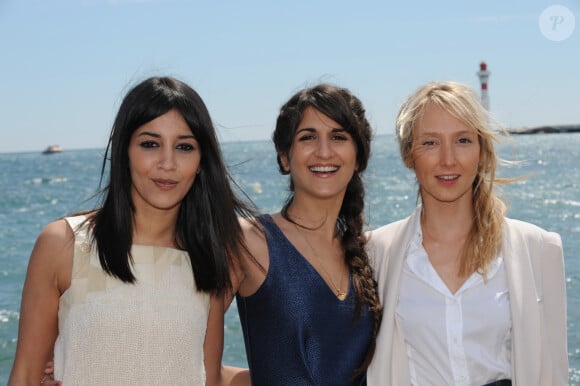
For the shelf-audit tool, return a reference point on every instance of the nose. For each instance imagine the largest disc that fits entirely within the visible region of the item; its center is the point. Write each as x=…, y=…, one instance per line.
x=448, y=156
x=167, y=159
x=324, y=149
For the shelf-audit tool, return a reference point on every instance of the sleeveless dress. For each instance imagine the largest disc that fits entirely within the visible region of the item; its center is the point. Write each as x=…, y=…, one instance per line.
x=115, y=333
x=296, y=330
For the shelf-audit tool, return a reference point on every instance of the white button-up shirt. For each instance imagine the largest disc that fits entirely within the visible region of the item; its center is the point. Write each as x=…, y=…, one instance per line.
x=460, y=339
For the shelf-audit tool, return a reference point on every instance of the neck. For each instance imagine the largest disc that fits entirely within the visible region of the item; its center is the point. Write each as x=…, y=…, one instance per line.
x=315, y=217
x=155, y=228
x=447, y=221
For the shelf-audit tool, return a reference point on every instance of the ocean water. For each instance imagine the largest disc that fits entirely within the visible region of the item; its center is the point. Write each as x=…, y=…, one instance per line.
x=36, y=189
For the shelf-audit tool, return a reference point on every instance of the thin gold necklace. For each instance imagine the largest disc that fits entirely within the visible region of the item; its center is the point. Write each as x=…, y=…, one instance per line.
x=340, y=294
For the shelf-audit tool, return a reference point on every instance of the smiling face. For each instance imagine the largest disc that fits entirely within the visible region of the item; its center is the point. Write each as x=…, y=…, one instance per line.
x=164, y=158
x=445, y=157
x=322, y=159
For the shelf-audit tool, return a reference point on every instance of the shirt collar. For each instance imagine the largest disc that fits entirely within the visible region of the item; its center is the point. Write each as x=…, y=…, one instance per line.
x=418, y=262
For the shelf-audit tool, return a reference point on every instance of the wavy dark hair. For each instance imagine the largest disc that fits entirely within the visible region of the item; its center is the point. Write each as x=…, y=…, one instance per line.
x=207, y=223
x=347, y=110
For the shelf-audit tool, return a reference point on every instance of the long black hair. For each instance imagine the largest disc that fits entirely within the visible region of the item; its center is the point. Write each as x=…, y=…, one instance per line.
x=343, y=107
x=207, y=223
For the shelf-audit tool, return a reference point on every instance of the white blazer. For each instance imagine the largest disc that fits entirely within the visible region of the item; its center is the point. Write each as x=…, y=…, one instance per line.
x=535, y=268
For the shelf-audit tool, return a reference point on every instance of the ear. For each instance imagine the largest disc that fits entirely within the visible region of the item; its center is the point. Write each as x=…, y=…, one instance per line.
x=284, y=162
x=482, y=162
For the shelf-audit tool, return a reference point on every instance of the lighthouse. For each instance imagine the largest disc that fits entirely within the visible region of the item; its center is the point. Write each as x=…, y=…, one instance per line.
x=483, y=75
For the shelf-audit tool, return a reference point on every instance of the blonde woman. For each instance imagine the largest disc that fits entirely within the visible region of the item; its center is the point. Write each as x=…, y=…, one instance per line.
x=470, y=297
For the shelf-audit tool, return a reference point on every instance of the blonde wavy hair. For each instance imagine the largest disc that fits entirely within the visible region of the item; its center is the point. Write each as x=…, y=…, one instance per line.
x=484, y=241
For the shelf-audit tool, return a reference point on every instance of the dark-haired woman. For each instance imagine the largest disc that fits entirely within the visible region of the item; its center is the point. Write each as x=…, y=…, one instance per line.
x=130, y=293
x=309, y=309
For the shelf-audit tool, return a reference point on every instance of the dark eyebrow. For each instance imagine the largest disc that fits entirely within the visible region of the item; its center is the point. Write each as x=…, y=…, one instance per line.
x=148, y=134
x=155, y=135
x=311, y=129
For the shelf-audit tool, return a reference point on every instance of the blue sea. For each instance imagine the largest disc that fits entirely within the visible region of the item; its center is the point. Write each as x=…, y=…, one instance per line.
x=36, y=189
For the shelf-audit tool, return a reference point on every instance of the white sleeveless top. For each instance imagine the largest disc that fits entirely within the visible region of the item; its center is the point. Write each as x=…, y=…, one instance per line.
x=115, y=333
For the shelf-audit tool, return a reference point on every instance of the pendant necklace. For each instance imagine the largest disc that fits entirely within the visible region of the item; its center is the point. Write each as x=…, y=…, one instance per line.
x=340, y=294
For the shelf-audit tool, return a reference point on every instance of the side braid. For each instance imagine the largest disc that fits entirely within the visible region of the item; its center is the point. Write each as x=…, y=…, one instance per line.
x=353, y=242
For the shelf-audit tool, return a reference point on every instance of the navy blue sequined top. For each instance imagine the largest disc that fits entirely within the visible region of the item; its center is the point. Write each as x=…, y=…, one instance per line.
x=296, y=331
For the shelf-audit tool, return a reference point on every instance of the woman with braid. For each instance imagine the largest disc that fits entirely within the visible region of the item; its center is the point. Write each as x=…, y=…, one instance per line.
x=307, y=299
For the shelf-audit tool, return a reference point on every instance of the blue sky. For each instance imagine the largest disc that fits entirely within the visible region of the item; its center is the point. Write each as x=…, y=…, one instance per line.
x=66, y=64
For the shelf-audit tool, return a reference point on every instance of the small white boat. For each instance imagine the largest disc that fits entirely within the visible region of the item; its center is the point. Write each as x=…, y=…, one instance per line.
x=52, y=149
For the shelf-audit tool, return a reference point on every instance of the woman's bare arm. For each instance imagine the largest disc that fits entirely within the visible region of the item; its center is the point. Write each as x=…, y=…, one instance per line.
x=48, y=275
x=216, y=373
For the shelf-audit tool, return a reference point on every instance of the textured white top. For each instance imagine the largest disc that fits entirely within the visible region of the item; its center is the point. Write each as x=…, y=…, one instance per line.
x=459, y=339
x=113, y=333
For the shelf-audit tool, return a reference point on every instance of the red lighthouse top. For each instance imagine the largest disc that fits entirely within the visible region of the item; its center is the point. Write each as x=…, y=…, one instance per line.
x=483, y=66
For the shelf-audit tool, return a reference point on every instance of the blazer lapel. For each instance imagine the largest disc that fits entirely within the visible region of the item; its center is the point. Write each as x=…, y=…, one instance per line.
x=526, y=344
x=389, y=365
x=397, y=252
